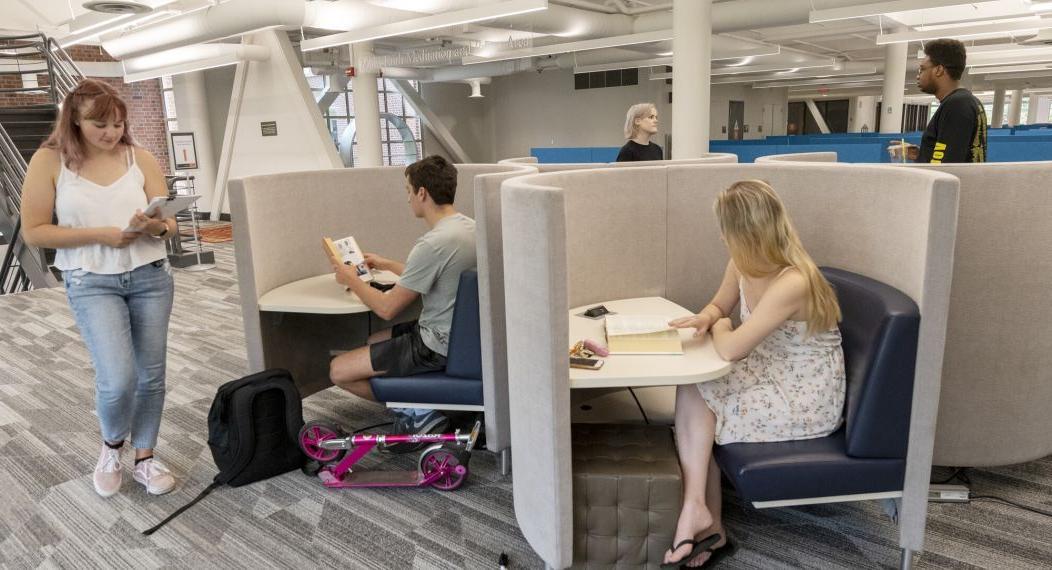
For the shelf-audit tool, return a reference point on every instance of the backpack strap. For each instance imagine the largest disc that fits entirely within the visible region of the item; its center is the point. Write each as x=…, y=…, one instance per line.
x=201, y=495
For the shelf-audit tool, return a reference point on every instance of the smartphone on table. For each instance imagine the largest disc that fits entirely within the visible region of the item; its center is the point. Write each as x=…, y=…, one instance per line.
x=586, y=363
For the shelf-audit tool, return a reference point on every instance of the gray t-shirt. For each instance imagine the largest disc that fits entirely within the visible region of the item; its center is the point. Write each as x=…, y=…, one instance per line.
x=433, y=270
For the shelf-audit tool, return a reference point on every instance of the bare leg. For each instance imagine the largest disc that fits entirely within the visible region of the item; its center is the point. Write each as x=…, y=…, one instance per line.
x=714, y=500
x=695, y=434
x=353, y=369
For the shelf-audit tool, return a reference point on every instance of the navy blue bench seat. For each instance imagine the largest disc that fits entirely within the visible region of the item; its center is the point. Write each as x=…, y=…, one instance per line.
x=867, y=455
x=460, y=384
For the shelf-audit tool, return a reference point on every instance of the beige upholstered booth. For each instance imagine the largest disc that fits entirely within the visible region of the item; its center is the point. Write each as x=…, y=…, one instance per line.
x=279, y=220
x=997, y=374
x=574, y=238
x=491, y=281
x=799, y=157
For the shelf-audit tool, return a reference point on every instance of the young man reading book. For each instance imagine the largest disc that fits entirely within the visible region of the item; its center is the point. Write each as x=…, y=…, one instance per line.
x=432, y=272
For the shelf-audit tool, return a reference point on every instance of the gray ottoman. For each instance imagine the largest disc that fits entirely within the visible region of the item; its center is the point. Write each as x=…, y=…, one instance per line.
x=627, y=494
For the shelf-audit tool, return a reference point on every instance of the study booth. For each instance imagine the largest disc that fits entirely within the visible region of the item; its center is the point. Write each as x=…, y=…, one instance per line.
x=489, y=239
x=295, y=314
x=996, y=384
x=574, y=239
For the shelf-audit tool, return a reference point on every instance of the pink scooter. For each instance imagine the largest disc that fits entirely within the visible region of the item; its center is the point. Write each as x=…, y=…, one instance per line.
x=440, y=466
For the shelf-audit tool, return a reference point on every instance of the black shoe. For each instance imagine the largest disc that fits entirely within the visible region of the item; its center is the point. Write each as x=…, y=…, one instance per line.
x=431, y=422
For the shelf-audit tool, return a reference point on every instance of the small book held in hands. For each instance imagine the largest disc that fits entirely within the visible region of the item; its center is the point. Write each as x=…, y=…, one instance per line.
x=347, y=251
x=641, y=334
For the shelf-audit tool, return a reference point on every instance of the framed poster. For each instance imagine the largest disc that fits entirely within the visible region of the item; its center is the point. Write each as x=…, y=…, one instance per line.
x=184, y=152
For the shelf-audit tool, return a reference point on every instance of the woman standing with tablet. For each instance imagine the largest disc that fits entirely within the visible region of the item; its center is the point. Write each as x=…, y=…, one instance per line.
x=90, y=174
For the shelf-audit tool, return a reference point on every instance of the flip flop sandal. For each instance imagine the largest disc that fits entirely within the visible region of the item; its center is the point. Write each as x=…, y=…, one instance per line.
x=718, y=554
x=697, y=547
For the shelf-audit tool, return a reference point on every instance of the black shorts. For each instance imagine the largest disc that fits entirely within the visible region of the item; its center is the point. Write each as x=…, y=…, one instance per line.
x=405, y=353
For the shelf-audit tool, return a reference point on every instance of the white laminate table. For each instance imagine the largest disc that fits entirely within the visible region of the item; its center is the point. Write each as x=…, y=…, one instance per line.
x=318, y=295
x=698, y=363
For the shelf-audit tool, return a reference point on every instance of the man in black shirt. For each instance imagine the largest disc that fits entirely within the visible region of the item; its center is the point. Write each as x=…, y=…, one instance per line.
x=640, y=124
x=957, y=130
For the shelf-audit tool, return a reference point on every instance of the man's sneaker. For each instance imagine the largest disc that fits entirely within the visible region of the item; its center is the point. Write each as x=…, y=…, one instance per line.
x=431, y=422
x=155, y=476
x=107, y=476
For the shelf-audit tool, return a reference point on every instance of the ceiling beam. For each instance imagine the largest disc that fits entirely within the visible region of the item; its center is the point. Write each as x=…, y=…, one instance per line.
x=990, y=30
x=881, y=8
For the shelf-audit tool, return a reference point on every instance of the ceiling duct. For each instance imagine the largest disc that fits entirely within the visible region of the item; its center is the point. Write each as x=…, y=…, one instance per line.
x=215, y=22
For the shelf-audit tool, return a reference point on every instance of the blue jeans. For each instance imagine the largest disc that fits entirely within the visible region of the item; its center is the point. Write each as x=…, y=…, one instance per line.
x=124, y=321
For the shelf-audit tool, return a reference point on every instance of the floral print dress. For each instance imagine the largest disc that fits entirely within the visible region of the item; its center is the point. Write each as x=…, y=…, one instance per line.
x=789, y=387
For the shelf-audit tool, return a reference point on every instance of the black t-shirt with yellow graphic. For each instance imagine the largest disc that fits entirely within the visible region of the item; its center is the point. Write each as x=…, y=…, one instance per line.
x=957, y=131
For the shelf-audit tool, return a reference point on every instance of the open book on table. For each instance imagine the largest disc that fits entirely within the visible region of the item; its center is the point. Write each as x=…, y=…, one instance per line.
x=641, y=334
x=347, y=251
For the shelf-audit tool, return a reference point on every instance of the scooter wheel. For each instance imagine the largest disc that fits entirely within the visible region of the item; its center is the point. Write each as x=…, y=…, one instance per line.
x=315, y=432
x=443, y=459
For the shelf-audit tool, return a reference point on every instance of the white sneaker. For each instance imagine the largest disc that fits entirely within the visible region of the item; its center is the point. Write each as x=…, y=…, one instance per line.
x=107, y=476
x=155, y=476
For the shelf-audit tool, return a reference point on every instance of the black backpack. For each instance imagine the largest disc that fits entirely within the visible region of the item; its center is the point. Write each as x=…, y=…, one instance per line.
x=253, y=432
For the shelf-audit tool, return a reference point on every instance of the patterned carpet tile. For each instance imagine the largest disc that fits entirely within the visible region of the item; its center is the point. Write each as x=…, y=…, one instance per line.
x=52, y=518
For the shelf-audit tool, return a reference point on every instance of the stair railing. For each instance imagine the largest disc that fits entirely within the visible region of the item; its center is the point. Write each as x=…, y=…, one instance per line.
x=23, y=267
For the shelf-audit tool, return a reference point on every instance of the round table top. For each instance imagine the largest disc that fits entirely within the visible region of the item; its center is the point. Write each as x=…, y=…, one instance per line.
x=320, y=294
x=698, y=363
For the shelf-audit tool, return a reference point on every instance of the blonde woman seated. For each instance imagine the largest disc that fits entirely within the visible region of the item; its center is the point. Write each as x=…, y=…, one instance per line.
x=788, y=378
x=641, y=124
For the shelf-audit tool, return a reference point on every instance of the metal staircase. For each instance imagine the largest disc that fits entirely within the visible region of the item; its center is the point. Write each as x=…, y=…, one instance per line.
x=25, y=122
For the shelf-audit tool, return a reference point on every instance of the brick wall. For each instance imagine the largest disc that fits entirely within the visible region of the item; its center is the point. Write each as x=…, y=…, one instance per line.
x=145, y=107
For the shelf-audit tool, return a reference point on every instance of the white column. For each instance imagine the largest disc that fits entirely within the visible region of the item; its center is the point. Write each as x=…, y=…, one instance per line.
x=691, y=65
x=1016, y=109
x=999, y=108
x=1043, y=104
x=191, y=109
x=865, y=114
x=366, y=109
x=894, y=86
x=1031, y=109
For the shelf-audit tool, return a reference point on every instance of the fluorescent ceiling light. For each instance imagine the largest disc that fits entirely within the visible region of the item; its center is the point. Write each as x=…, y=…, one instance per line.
x=1011, y=69
x=123, y=21
x=877, y=9
x=583, y=45
x=967, y=32
x=454, y=18
x=769, y=67
x=956, y=25
x=818, y=82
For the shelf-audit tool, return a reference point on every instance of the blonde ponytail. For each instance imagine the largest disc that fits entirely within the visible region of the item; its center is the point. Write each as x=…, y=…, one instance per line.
x=760, y=235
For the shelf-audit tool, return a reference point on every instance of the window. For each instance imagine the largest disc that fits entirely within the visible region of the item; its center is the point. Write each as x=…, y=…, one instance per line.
x=340, y=113
x=171, y=121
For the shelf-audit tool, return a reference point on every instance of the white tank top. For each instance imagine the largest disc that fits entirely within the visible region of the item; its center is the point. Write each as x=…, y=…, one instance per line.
x=80, y=203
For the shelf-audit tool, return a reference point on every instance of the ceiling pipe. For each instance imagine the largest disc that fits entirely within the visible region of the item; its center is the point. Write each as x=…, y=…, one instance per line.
x=215, y=22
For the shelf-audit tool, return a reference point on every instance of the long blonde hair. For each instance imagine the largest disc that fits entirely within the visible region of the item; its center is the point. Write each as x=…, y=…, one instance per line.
x=637, y=111
x=759, y=234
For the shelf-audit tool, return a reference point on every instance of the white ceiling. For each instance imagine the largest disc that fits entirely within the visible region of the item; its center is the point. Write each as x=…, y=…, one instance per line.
x=852, y=42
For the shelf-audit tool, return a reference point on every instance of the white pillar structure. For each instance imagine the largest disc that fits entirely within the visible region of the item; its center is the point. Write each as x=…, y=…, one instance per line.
x=366, y=108
x=1016, y=109
x=894, y=87
x=864, y=115
x=997, y=119
x=1043, y=107
x=191, y=109
x=691, y=66
x=1031, y=109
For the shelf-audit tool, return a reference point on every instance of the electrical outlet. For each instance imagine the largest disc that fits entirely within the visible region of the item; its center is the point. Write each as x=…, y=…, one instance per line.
x=948, y=494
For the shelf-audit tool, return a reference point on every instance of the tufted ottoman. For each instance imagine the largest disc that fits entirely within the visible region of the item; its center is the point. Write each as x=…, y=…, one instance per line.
x=626, y=495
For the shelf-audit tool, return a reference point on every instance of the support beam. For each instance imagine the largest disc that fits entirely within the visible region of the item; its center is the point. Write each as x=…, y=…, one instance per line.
x=817, y=116
x=691, y=67
x=226, y=153
x=1016, y=109
x=431, y=120
x=366, y=108
x=997, y=118
x=894, y=86
x=335, y=85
